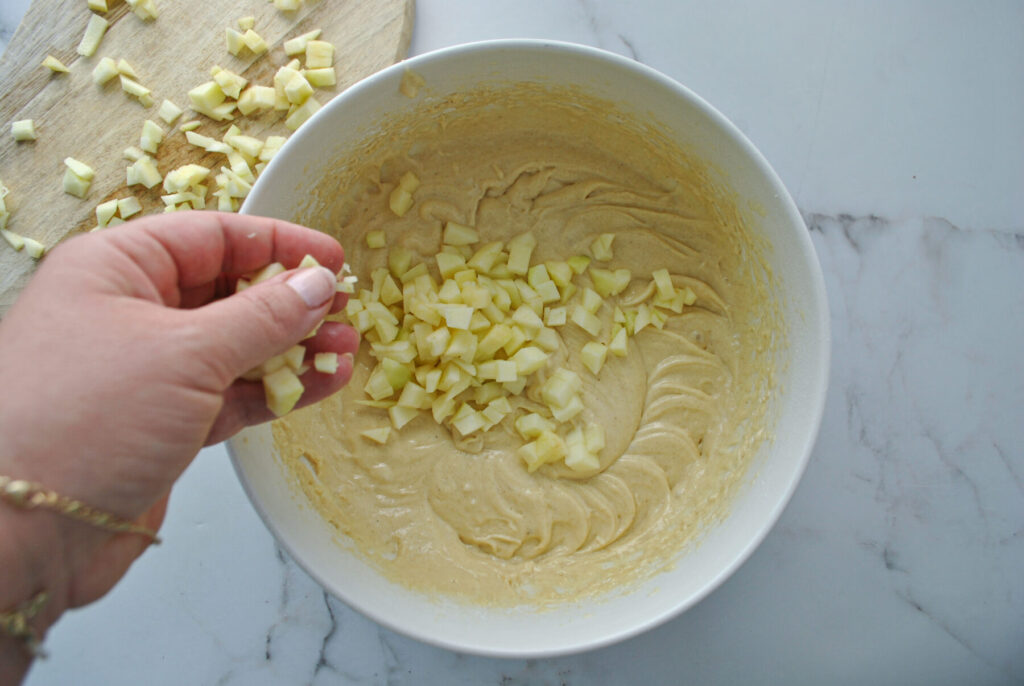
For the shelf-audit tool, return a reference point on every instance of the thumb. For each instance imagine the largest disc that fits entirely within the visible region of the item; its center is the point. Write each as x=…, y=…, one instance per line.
x=247, y=328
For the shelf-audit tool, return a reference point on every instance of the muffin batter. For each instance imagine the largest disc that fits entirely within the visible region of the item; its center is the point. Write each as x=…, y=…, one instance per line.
x=684, y=412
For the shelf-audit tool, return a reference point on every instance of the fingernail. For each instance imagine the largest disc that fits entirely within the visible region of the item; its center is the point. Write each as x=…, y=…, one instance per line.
x=314, y=285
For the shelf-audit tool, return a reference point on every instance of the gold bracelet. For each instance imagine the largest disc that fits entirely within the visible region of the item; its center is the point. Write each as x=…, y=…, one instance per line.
x=17, y=623
x=28, y=495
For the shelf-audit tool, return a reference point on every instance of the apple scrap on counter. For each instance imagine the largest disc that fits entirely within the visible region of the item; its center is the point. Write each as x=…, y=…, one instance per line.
x=280, y=374
x=311, y=67
x=468, y=346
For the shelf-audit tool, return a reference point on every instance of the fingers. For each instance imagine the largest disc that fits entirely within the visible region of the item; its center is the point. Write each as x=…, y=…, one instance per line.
x=245, y=402
x=240, y=332
x=183, y=253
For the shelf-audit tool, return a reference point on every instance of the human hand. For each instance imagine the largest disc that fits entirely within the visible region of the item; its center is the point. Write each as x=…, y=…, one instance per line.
x=121, y=358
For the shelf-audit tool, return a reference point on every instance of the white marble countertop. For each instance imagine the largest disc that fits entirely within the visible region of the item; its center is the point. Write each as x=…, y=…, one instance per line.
x=899, y=129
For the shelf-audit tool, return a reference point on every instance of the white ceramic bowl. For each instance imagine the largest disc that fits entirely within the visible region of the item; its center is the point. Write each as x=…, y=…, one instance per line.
x=803, y=369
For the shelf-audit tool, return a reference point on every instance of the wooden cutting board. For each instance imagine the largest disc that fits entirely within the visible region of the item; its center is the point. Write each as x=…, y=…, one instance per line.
x=75, y=117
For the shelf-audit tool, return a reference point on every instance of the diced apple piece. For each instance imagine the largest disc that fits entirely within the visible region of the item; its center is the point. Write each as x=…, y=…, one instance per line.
x=593, y=356
x=144, y=172
x=143, y=9
x=415, y=396
x=320, y=78
x=548, y=292
x=608, y=282
x=578, y=458
x=233, y=41
x=206, y=96
x=495, y=411
x=532, y=425
x=400, y=201
x=400, y=416
x=663, y=282
x=98, y=5
x=93, y=35
x=643, y=319
x=230, y=82
x=80, y=169
x=254, y=42
x=246, y=23
x=561, y=387
x=152, y=136
x=124, y=67
x=561, y=273
x=397, y=374
x=619, y=345
x=493, y=340
x=536, y=275
x=487, y=391
x=169, y=111
x=23, y=130
x=520, y=249
x=555, y=316
x=567, y=412
x=256, y=98
x=594, y=437
x=302, y=113
x=548, y=339
x=437, y=342
x=526, y=318
x=128, y=207
x=432, y=380
x=483, y=260
x=548, y=447
x=380, y=435
x=298, y=89
x=456, y=316
x=294, y=356
x=248, y=146
x=34, y=248
x=54, y=64
x=587, y=321
x=579, y=263
x=283, y=389
x=14, y=240
x=377, y=385
x=442, y=407
x=462, y=347
x=591, y=301
x=375, y=239
x=601, y=248
x=515, y=341
x=529, y=360
x=297, y=45
x=467, y=420
x=319, y=54
x=105, y=211
x=459, y=234
x=77, y=177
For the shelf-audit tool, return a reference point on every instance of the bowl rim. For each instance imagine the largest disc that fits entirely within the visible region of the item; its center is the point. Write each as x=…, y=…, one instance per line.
x=817, y=303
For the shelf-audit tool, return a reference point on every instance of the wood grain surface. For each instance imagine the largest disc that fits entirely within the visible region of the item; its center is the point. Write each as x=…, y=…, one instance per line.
x=75, y=117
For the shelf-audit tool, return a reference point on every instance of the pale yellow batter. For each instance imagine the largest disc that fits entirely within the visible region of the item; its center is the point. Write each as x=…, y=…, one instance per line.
x=684, y=412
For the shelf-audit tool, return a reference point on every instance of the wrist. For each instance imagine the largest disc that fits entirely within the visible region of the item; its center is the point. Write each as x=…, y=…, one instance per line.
x=32, y=560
